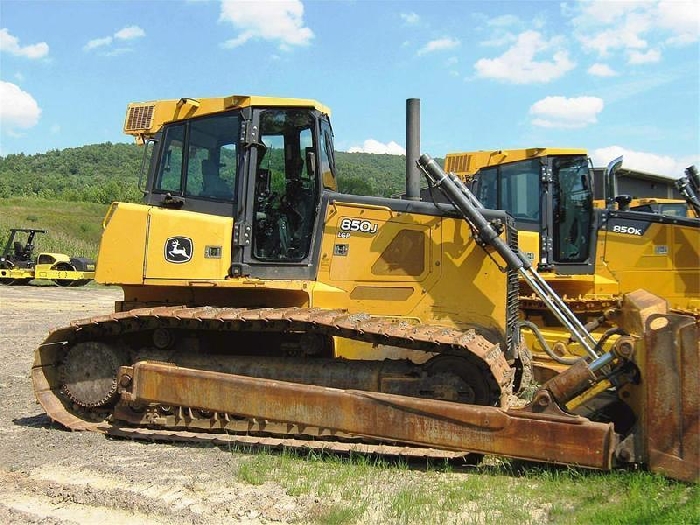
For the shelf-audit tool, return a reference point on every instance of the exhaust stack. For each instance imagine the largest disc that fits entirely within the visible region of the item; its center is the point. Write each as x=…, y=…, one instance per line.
x=412, y=149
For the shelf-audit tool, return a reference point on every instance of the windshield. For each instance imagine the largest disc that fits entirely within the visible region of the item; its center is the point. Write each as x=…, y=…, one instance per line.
x=199, y=158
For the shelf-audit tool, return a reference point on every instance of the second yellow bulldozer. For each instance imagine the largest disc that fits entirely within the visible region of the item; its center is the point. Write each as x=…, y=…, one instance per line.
x=590, y=252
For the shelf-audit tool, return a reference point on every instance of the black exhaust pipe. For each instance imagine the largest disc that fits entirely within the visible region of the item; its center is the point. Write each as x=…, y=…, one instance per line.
x=413, y=174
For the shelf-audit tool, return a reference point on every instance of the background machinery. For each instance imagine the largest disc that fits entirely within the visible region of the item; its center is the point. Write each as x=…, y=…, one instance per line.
x=638, y=191
x=18, y=265
x=689, y=187
x=590, y=254
x=268, y=305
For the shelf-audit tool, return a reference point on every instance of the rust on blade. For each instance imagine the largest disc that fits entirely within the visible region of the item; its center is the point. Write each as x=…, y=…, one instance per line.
x=490, y=430
x=672, y=376
x=286, y=443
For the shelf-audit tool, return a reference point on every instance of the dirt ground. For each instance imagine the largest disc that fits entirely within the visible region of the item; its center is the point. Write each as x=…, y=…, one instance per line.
x=49, y=475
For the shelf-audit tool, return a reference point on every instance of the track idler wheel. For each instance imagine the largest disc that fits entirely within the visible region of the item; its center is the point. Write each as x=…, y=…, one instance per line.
x=89, y=373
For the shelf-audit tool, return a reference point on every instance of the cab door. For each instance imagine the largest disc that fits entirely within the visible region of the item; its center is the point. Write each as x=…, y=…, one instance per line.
x=277, y=233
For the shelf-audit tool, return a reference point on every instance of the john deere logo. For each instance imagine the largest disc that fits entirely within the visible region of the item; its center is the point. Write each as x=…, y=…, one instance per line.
x=178, y=250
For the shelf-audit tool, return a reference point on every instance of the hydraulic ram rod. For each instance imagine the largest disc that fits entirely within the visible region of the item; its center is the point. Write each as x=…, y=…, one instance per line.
x=470, y=208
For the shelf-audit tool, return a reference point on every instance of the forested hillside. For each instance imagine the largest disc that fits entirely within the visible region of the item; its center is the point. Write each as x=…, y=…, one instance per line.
x=107, y=172
x=100, y=173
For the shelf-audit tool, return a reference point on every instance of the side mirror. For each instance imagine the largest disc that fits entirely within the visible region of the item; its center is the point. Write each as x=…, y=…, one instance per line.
x=623, y=202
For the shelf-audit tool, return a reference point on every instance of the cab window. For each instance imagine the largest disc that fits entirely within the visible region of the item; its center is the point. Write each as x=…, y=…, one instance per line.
x=169, y=177
x=211, y=161
x=199, y=158
x=487, y=192
x=514, y=188
x=327, y=157
x=520, y=190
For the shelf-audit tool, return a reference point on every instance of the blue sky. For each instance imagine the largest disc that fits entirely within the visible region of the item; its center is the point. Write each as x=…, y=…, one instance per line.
x=612, y=77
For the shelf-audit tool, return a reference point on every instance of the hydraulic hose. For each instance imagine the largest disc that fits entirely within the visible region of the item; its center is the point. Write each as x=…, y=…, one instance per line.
x=536, y=331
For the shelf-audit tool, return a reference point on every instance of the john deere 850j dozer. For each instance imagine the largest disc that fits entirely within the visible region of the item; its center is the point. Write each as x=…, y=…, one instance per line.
x=261, y=304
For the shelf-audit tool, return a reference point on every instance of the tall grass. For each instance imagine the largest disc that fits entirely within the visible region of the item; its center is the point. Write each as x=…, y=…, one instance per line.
x=73, y=228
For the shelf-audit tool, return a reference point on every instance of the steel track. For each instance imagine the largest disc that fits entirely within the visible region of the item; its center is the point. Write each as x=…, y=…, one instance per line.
x=334, y=323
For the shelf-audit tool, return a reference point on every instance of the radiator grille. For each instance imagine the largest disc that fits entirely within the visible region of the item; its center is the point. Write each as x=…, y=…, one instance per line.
x=457, y=163
x=139, y=117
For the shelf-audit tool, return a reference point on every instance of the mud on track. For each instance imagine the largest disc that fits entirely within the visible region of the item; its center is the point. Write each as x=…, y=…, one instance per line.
x=49, y=475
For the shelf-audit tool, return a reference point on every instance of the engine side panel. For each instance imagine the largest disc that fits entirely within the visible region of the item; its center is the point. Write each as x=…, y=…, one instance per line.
x=650, y=252
x=428, y=267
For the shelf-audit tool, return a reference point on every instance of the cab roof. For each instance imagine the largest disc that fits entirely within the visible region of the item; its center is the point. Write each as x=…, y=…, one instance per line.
x=144, y=119
x=468, y=163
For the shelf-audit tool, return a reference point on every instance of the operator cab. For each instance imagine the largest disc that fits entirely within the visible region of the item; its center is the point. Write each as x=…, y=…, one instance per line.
x=263, y=166
x=551, y=195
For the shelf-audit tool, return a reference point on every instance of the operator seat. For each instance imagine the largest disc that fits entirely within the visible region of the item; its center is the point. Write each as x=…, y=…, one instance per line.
x=213, y=185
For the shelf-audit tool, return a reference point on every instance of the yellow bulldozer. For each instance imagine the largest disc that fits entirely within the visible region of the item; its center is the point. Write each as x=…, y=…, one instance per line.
x=591, y=252
x=261, y=305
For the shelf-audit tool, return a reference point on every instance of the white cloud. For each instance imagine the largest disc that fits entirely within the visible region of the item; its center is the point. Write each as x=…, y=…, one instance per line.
x=641, y=161
x=11, y=45
x=441, y=44
x=410, y=18
x=518, y=65
x=18, y=109
x=650, y=57
x=98, y=42
x=374, y=146
x=129, y=33
x=633, y=27
x=281, y=20
x=597, y=12
x=562, y=112
x=682, y=19
x=606, y=41
x=601, y=70
x=125, y=33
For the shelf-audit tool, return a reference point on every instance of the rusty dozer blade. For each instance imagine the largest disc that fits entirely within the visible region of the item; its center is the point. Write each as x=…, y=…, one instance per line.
x=668, y=396
x=662, y=350
x=548, y=436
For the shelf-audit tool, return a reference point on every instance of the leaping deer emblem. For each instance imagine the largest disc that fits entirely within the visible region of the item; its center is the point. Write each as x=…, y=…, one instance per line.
x=175, y=250
x=178, y=249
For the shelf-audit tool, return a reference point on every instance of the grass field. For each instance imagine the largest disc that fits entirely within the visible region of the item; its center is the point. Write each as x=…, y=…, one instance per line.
x=73, y=228
x=359, y=489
